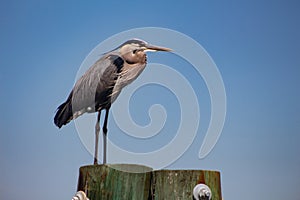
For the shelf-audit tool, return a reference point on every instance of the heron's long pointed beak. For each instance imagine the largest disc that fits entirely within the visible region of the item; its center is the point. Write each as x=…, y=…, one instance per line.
x=150, y=47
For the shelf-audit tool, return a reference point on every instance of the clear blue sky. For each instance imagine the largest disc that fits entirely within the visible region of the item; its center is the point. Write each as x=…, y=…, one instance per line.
x=255, y=44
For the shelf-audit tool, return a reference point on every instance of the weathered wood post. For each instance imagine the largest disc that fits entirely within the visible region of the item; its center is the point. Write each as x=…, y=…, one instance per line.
x=136, y=182
x=116, y=181
x=179, y=184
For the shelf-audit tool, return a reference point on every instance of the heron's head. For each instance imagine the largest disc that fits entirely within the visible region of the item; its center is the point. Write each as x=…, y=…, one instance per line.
x=134, y=51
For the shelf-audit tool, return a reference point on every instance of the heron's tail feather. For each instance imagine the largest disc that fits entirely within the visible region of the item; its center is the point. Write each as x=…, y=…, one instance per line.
x=64, y=113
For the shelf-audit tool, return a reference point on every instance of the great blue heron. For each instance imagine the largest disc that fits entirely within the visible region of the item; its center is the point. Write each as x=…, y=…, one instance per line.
x=101, y=84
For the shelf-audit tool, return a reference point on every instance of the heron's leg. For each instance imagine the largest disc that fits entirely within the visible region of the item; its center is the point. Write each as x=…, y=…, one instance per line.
x=97, y=130
x=105, y=136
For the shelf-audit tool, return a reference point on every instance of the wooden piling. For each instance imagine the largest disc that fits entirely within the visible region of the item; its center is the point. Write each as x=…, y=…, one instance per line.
x=179, y=184
x=136, y=182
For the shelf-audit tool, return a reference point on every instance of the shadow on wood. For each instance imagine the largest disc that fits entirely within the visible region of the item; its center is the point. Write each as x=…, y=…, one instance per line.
x=136, y=182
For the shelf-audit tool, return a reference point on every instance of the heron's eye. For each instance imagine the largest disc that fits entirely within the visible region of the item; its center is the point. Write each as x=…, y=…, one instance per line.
x=134, y=51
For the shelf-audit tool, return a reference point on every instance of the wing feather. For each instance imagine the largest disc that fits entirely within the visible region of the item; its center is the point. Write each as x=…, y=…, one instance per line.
x=93, y=89
x=92, y=92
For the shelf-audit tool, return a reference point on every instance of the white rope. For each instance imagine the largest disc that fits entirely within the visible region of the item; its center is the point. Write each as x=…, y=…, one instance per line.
x=202, y=191
x=80, y=195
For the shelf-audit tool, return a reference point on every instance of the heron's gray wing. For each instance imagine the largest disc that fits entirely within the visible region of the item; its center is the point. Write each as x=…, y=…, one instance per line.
x=93, y=90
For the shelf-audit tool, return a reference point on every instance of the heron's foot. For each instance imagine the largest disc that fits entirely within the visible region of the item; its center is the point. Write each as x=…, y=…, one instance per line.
x=95, y=161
